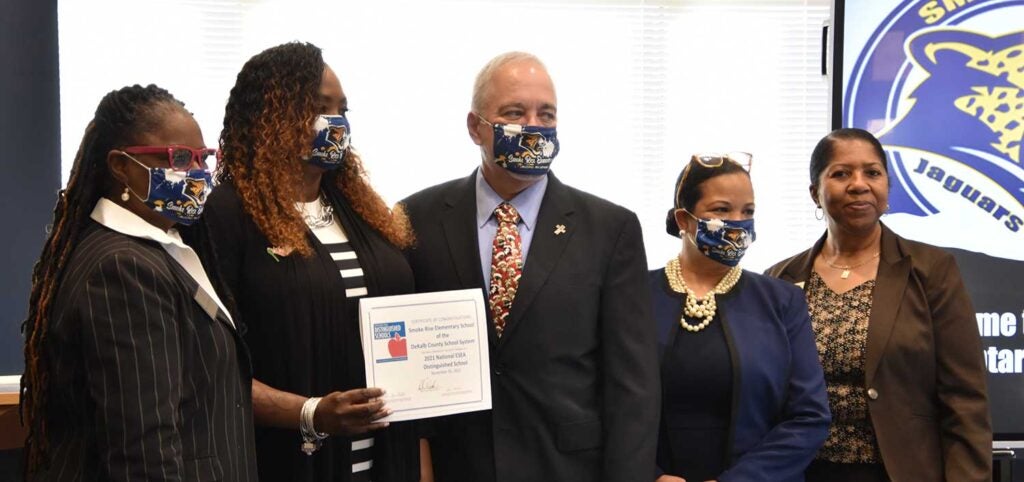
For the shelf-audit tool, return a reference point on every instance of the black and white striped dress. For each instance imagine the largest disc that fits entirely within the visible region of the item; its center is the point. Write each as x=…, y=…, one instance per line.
x=334, y=239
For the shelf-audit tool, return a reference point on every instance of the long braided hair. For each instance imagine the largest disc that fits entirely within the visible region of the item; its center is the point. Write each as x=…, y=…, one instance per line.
x=122, y=115
x=267, y=130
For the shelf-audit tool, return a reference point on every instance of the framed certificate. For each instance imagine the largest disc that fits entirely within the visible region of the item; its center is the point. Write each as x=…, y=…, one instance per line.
x=428, y=351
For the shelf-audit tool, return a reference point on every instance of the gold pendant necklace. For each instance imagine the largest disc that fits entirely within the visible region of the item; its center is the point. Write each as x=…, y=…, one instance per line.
x=846, y=268
x=696, y=307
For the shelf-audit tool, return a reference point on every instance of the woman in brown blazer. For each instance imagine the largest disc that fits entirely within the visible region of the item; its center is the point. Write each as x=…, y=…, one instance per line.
x=896, y=334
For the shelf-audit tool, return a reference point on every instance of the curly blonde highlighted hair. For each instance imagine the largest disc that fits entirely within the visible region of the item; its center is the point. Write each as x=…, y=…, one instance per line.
x=267, y=130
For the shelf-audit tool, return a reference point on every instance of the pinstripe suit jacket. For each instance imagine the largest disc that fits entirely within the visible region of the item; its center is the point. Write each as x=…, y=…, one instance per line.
x=143, y=383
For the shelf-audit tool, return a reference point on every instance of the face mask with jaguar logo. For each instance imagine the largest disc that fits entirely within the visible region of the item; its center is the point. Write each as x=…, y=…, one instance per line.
x=723, y=240
x=521, y=149
x=331, y=144
x=177, y=195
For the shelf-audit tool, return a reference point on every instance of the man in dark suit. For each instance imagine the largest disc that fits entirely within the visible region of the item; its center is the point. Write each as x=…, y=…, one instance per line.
x=573, y=356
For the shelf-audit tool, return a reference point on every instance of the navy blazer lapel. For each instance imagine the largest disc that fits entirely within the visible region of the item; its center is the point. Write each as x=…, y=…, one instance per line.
x=551, y=234
x=890, y=283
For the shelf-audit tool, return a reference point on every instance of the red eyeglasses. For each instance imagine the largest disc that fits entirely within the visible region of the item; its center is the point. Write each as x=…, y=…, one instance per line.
x=179, y=158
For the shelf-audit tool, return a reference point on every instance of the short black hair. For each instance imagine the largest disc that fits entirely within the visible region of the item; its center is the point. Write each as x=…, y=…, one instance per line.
x=822, y=155
x=688, y=188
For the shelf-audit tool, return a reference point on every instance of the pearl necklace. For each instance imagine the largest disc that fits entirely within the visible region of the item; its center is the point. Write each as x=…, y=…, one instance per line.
x=696, y=307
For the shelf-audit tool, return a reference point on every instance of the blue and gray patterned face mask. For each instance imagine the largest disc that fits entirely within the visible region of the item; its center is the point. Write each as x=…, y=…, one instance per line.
x=178, y=196
x=523, y=149
x=333, y=136
x=722, y=240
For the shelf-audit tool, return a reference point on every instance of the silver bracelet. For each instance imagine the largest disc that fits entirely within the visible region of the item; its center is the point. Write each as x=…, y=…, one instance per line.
x=311, y=439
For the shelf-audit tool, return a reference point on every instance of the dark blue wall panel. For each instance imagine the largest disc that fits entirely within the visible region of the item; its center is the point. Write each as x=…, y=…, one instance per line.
x=29, y=156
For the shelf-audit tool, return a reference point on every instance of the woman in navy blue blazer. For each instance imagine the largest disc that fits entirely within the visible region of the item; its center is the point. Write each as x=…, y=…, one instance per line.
x=743, y=395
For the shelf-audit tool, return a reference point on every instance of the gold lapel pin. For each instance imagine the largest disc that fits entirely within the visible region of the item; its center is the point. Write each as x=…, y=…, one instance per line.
x=559, y=229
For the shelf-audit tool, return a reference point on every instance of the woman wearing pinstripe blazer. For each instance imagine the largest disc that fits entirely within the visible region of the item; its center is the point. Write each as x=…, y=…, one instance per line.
x=134, y=371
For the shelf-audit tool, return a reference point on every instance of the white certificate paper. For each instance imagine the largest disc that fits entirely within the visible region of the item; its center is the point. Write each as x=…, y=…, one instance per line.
x=428, y=351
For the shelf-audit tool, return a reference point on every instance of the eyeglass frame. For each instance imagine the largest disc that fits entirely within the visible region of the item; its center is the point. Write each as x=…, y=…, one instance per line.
x=721, y=158
x=197, y=158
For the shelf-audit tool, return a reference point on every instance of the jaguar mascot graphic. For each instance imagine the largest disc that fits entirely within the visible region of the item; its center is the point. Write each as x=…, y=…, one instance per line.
x=946, y=99
x=737, y=238
x=535, y=145
x=332, y=138
x=975, y=83
x=338, y=139
x=196, y=190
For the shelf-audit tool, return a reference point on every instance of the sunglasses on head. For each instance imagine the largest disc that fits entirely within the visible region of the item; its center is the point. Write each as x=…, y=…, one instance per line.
x=713, y=160
x=179, y=158
x=744, y=159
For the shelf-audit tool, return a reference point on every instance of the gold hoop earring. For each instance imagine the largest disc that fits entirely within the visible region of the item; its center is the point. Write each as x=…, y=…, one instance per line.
x=819, y=213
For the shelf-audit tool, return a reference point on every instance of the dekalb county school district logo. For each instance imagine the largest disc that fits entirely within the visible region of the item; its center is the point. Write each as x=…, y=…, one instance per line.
x=389, y=344
x=941, y=83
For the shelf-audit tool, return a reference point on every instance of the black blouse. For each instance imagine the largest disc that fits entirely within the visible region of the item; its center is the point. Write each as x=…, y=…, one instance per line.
x=302, y=331
x=697, y=384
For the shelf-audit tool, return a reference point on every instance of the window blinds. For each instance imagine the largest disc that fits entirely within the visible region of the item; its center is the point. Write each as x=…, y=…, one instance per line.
x=641, y=86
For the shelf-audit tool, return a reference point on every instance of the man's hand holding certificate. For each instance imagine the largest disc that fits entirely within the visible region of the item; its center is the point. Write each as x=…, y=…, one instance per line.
x=428, y=351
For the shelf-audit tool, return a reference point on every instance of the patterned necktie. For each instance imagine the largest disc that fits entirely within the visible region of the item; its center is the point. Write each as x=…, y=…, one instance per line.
x=506, y=265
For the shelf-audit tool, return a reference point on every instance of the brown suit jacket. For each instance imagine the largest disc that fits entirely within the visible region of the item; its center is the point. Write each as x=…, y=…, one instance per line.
x=924, y=371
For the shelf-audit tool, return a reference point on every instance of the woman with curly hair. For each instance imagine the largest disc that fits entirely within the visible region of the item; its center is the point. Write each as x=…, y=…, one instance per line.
x=299, y=236
x=132, y=369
